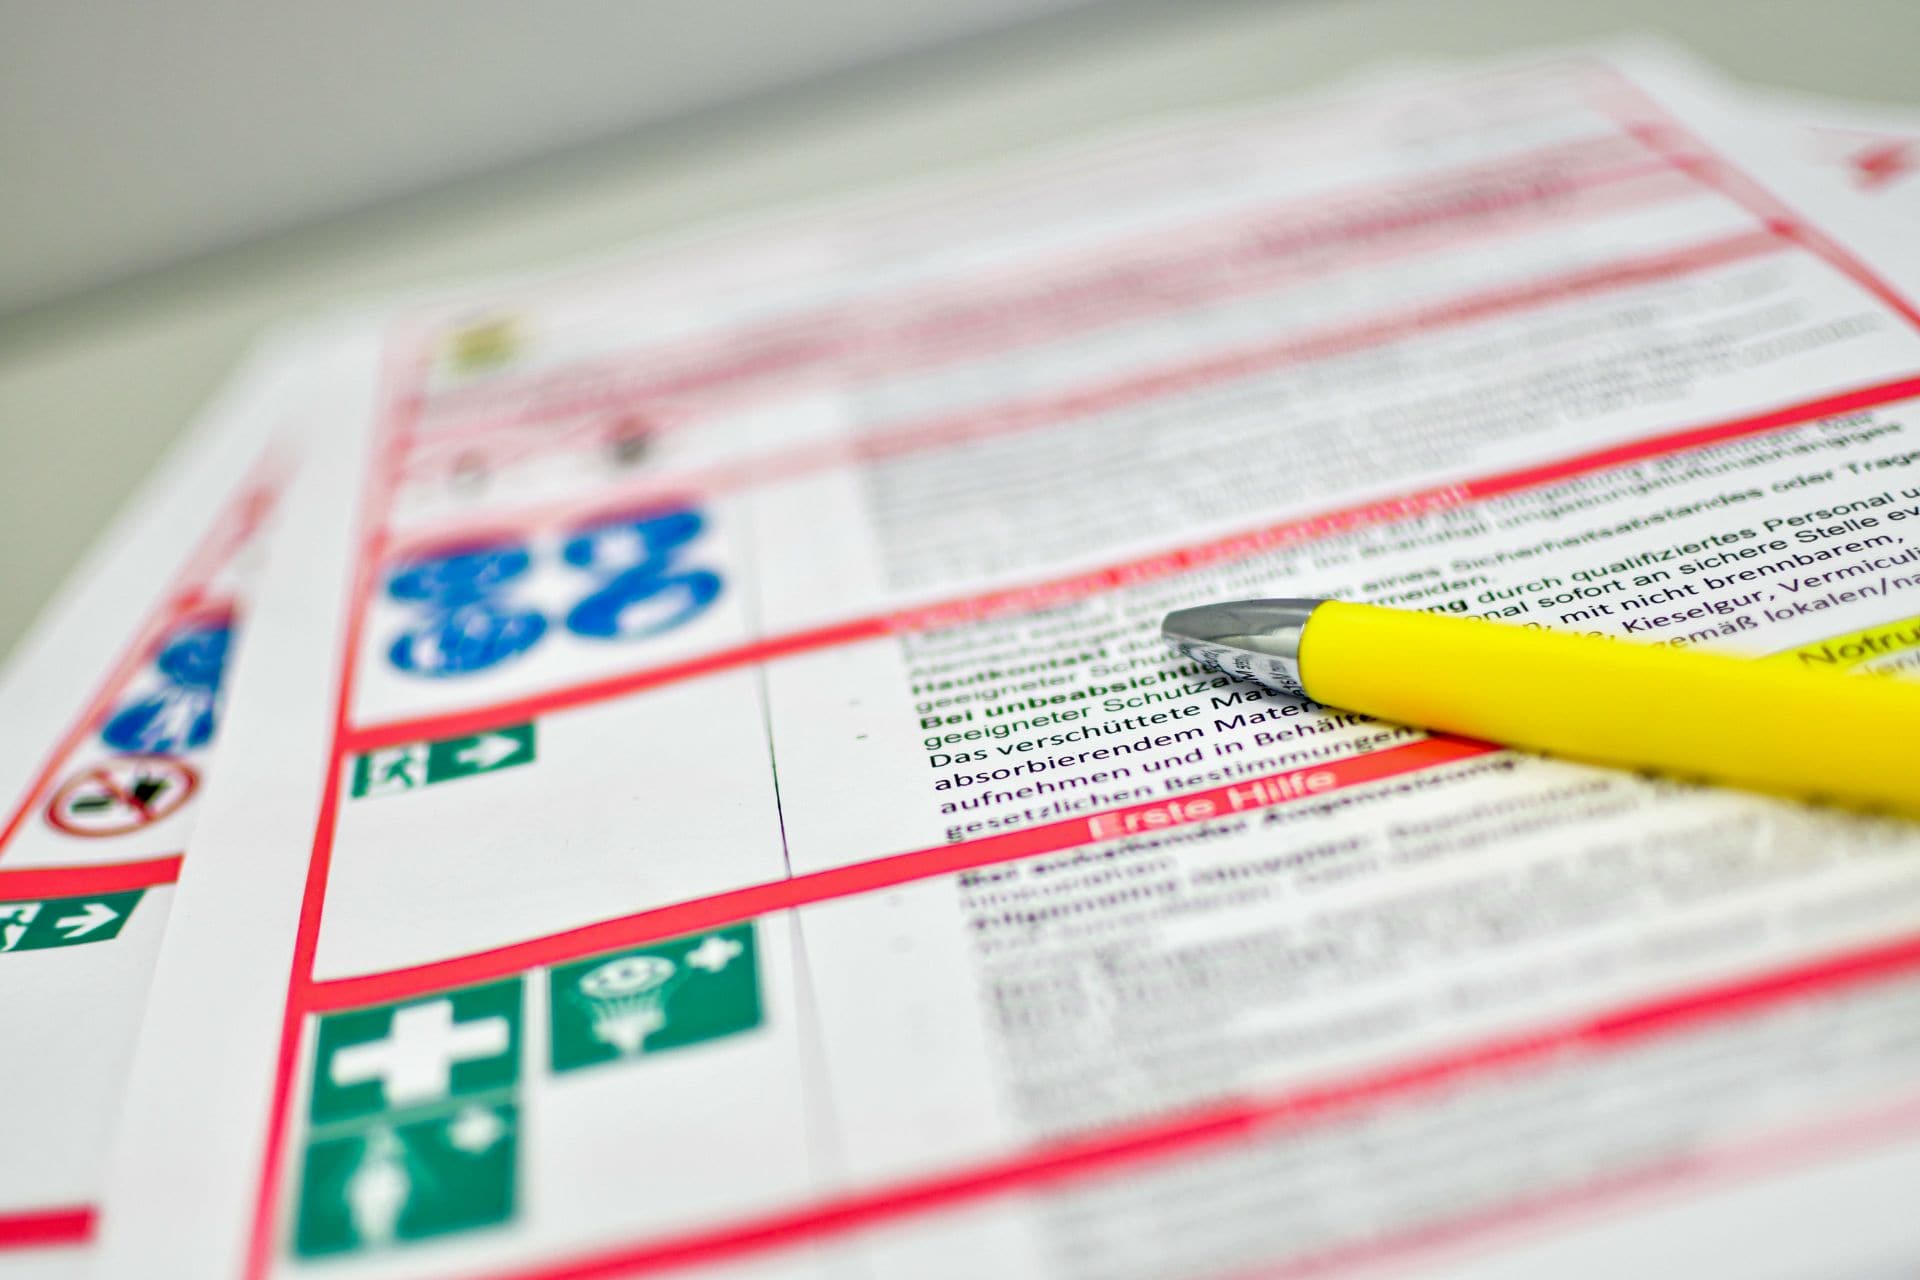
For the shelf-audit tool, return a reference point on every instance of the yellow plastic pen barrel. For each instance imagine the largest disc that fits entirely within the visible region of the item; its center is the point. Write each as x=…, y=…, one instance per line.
x=1763, y=725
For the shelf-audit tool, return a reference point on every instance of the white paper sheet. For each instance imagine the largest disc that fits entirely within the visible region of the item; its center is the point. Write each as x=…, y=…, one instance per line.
x=707, y=789
x=1868, y=148
x=111, y=708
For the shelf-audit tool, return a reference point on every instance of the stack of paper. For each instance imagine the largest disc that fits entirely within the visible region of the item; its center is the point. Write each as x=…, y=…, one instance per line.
x=700, y=788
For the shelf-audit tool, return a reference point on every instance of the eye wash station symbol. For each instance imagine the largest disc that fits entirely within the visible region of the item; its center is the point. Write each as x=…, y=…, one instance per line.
x=629, y=999
x=629, y=995
x=681, y=992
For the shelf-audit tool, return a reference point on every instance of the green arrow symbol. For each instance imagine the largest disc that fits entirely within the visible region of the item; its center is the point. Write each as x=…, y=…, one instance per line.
x=488, y=750
x=91, y=917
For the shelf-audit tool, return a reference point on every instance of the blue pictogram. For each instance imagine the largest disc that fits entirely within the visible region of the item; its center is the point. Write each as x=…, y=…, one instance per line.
x=636, y=586
x=467, y=624
x=643, y=592
x=180, y=714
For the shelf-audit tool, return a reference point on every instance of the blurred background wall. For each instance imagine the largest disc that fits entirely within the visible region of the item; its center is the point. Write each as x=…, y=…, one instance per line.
x=140, y=134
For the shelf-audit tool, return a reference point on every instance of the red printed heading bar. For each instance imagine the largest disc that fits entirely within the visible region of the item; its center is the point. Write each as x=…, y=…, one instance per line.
x=1261, y=793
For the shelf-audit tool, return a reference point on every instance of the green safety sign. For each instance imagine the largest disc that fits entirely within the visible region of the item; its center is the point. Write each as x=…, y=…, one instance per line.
x=393, y=1183
x=418, y=1053
x=667, y=995
x=45, y=923
x=414, y=1121
x=422, y=764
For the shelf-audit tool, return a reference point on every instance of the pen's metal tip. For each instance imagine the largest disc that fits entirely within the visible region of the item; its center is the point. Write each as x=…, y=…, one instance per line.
x=1216, y=623
x=1250, y=639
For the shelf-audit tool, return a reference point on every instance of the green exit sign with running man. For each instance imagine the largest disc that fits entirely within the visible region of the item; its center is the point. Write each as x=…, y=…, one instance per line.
x=413, y=765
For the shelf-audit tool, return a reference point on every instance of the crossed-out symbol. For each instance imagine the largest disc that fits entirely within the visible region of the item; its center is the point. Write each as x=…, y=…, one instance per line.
x=121, y=795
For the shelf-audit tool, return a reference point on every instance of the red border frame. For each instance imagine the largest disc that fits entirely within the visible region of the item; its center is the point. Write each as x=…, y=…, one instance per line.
x=1201, y=1129
x=182, y=600
x=1026, y=416
x=1249, y=795
x=1642, y=119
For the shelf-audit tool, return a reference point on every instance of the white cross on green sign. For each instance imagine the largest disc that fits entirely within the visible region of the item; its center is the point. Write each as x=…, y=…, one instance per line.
x=414, y=1121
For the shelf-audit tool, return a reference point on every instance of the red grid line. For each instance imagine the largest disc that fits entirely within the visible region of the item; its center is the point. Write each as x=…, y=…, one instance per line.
x=217, y=545
x=373, y=503
x=967, y=428
x=1643, y=119
x=1165, y=564
x=1051, y=1164
x=46, y=1228
x=876, y=874
x=793, y=343
x=1742, y=1161
x=64, y=882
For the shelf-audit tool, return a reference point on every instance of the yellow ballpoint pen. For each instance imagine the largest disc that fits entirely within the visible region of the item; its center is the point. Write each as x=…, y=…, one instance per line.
x=1761, y=725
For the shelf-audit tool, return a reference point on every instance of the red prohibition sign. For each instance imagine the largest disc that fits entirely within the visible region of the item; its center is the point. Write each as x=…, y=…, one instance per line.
x=120, y=795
